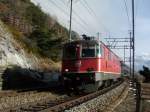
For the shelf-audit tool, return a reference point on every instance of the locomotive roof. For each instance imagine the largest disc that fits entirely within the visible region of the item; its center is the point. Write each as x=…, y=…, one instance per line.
x=90, y=42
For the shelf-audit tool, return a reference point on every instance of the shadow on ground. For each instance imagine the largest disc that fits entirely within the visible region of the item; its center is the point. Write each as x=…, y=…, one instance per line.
x=17, y=78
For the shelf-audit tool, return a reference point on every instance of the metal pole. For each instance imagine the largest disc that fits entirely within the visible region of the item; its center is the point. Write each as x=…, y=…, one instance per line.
x=133, y=36
x=130, y=53
x=70, y=21
x=135, y=81
x=124, y=54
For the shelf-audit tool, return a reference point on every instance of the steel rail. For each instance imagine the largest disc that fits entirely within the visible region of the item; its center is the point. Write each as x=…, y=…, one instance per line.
x=80, y=100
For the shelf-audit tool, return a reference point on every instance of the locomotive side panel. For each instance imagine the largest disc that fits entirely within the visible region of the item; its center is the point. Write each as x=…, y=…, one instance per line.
x=103, y=60
x=110, y=65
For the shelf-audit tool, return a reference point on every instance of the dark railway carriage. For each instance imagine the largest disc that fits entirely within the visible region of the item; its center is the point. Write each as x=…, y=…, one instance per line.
x=89, y=62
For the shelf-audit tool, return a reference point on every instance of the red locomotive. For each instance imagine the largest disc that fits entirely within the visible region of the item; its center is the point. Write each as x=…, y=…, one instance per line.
x=89, y=62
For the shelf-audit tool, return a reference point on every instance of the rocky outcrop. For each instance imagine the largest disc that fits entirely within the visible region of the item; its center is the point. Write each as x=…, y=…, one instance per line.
x=10, y=54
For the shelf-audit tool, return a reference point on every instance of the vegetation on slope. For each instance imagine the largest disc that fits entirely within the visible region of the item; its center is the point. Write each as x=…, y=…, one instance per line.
x=40, y=33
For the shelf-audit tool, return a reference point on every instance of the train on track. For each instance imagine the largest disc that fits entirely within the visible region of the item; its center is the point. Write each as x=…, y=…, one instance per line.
x=89, y=64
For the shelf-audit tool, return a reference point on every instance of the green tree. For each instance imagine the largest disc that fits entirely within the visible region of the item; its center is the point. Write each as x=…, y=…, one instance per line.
x=146, y=73
x=35, y=15
x=47, y=45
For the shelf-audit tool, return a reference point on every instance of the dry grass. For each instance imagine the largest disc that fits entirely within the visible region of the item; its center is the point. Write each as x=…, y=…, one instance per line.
x=49, y=65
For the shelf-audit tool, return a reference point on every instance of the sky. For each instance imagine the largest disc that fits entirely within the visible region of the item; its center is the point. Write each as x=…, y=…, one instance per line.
x=108, y=17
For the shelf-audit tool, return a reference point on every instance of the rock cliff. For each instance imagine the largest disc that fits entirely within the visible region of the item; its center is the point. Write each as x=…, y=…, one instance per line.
x=10, y=53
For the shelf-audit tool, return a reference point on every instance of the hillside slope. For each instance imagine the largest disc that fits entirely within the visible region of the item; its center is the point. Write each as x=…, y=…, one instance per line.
x=34, y=38
x=43, y=35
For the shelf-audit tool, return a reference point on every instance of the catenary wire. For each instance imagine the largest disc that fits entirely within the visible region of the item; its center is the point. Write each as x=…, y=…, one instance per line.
x=127, y=12
x=61, y=9
x=93, y=14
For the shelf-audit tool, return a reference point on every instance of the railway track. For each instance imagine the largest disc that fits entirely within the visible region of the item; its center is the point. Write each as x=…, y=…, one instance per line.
x=145, y=97
x=145, y=91
x=61, y=103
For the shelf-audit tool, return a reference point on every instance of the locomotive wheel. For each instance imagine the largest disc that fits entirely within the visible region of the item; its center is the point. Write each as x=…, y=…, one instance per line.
x=71, y=87
x=102, y=86
x=88, y=88
x=111, y=82
x=107, y=83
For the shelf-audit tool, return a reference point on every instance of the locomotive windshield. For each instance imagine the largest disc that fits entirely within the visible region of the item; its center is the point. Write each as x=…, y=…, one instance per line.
x=90, y=50
x=70, y=52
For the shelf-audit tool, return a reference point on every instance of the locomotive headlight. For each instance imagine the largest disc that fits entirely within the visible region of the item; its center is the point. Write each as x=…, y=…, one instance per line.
x=66, y=70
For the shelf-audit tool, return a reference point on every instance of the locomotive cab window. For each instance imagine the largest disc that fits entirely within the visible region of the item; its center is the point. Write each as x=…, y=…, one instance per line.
x=90, y=50
x=70, y=52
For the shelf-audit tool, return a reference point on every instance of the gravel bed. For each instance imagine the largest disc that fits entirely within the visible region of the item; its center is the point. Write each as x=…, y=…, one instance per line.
x=128, y=104
x=100, y=103
x=145, y=106
x=23, y=99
